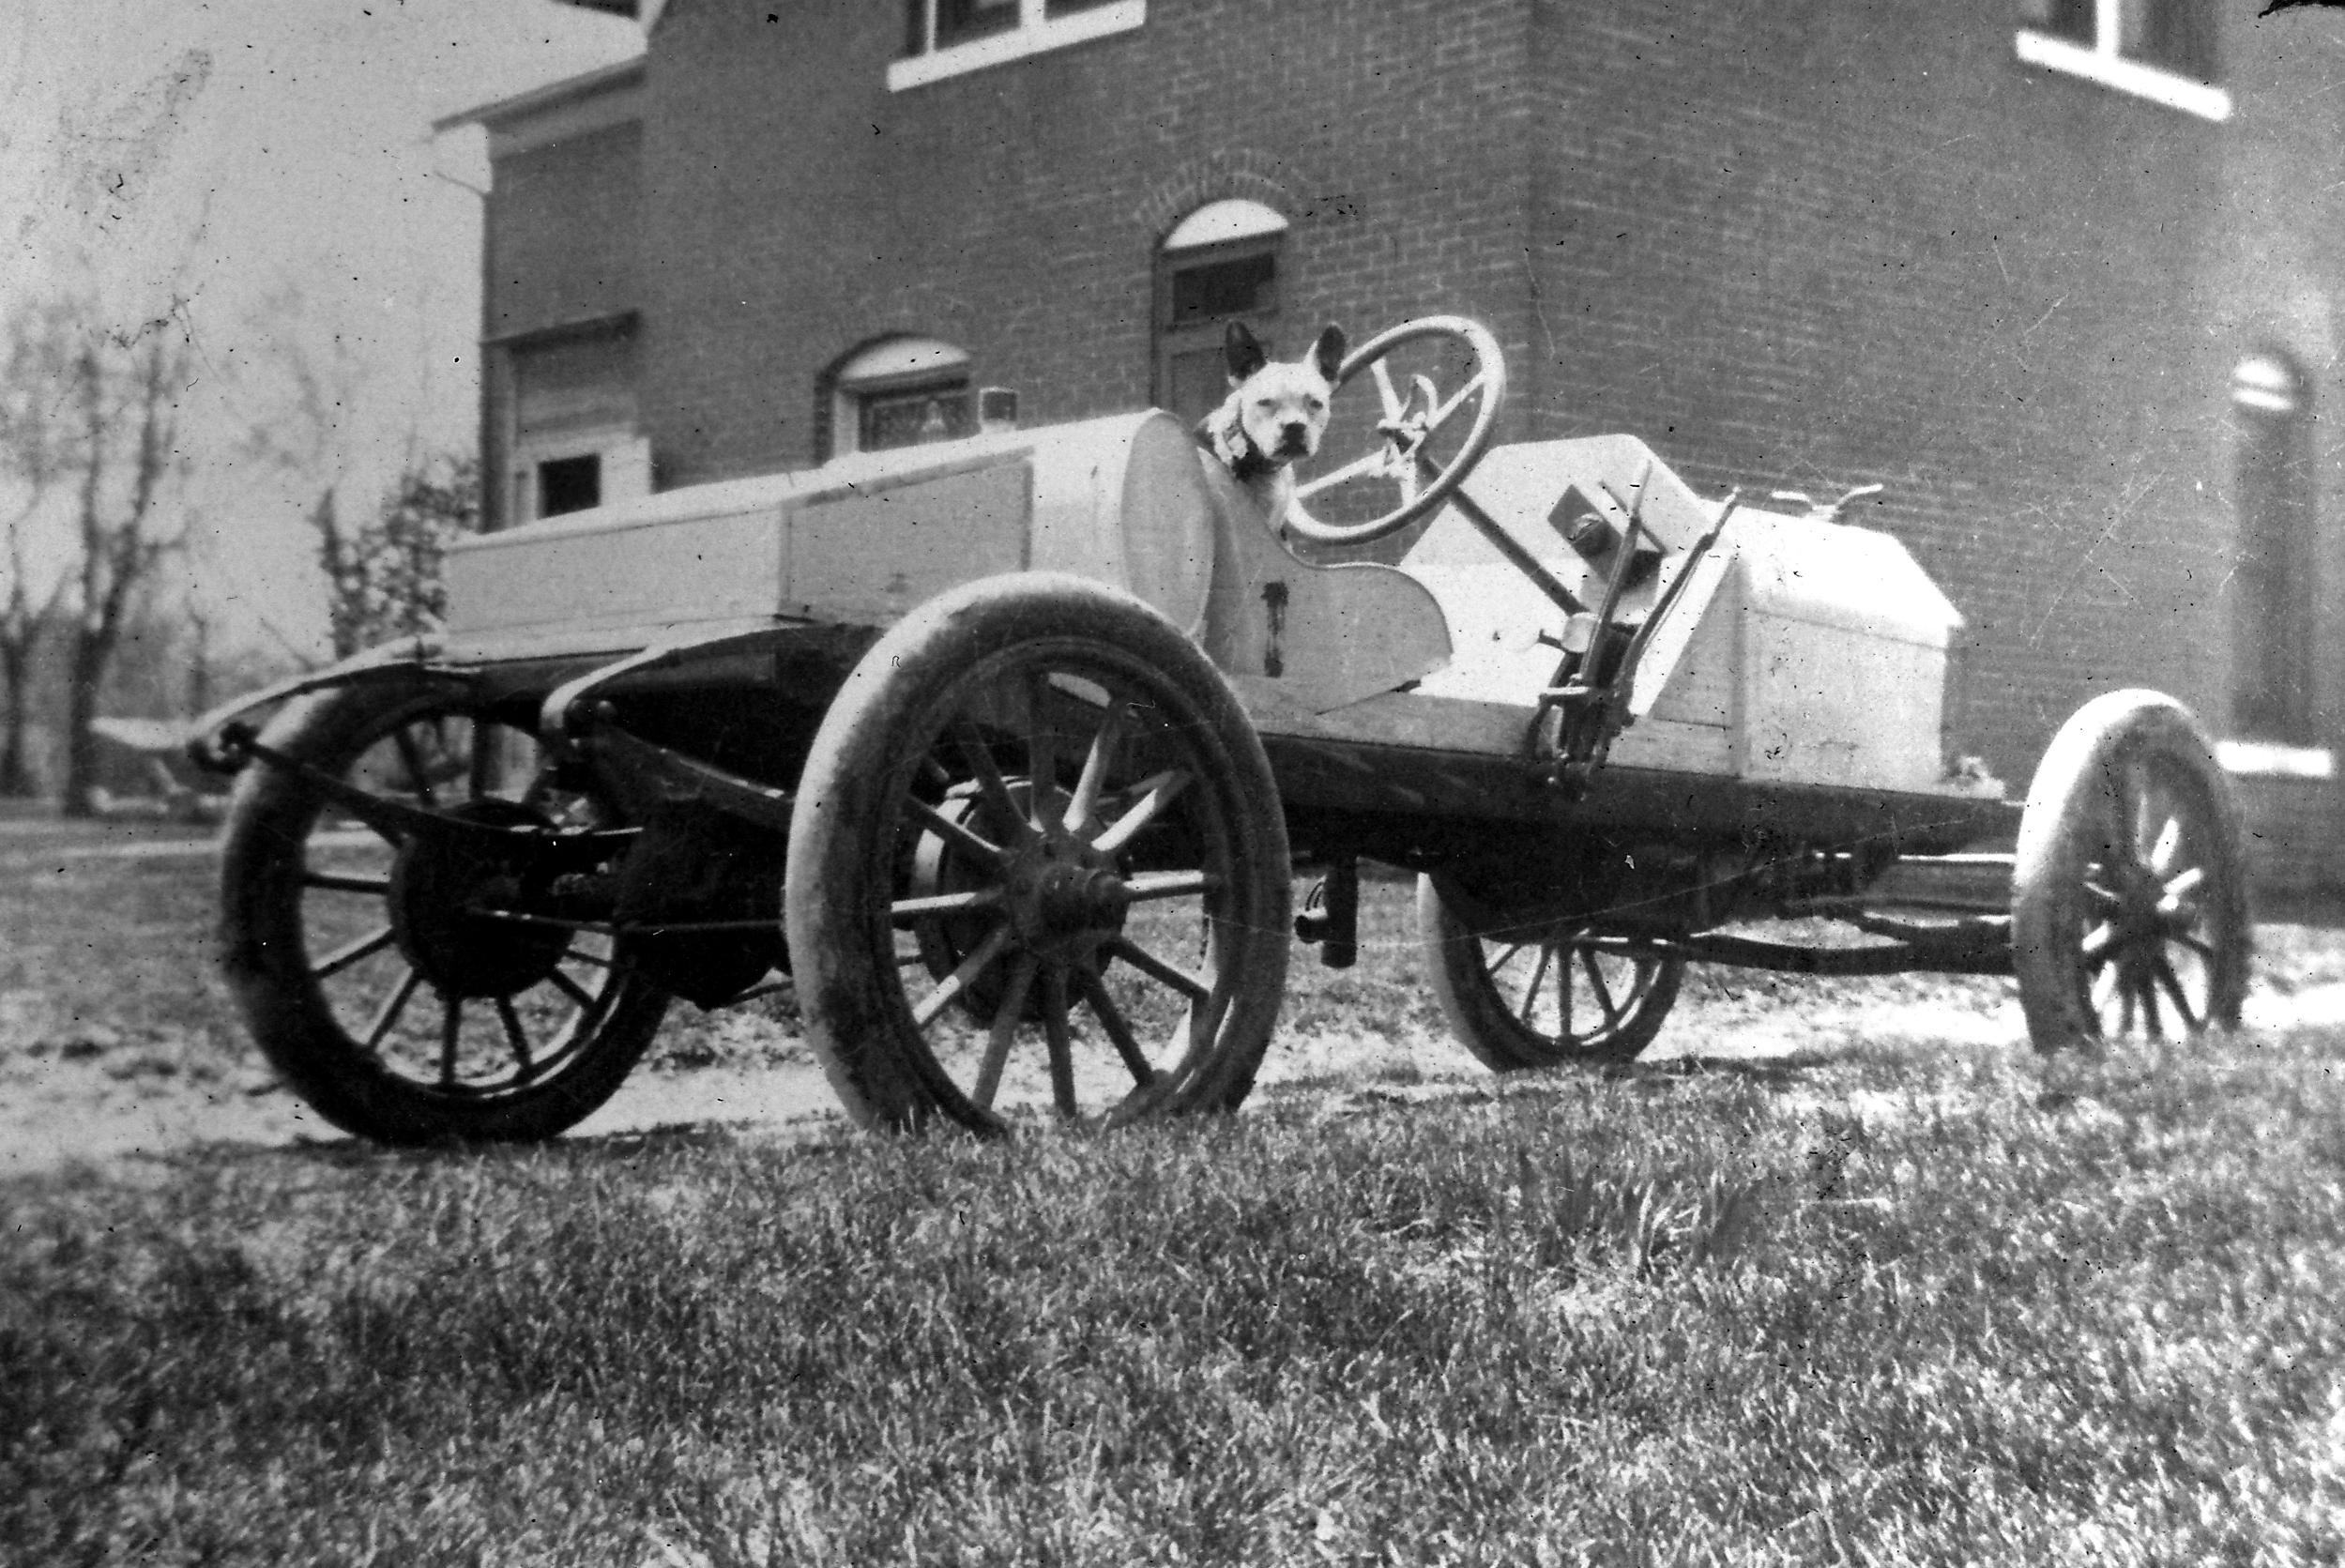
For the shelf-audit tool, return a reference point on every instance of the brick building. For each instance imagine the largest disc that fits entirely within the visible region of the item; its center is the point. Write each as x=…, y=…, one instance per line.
x=2061, y=274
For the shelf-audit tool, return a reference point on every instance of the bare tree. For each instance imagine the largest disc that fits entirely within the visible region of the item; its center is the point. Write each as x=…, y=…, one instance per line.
x=383, y=577
x=96, y=417
x=203, y=653
x=33, y=456
x=382, y=571
x=24, y=618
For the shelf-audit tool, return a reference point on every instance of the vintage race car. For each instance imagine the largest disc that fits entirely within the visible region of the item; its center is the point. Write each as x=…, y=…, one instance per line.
x=1002, y=755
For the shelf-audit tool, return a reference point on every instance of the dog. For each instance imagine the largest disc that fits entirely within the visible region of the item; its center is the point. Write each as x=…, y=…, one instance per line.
x=1274, y=417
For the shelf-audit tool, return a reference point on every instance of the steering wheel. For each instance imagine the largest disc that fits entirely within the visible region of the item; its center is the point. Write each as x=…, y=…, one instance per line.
x=1408, y=425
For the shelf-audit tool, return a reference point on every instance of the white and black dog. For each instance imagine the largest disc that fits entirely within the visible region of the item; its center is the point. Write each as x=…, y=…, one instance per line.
x=1274, y=415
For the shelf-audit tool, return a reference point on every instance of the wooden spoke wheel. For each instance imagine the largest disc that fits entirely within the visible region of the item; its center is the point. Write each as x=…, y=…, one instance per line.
x=1544, y=995
x=2130, y=908
x=1036, y=869
x=1440, y=382
x=395, y=976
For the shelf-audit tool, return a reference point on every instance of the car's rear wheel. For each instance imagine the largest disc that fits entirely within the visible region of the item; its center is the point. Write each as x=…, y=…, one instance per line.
x=384, y=970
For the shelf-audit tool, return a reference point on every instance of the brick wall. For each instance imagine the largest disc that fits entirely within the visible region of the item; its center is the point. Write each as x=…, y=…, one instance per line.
x=564, y=242
x=803, y=209
x=1817, y=244
x=565, y=233
x=1810, y=244
x=2280, y=268
x=2291, y=845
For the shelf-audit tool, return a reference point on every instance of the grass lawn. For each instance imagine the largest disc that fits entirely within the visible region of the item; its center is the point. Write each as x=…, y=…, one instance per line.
x=1901, y=1302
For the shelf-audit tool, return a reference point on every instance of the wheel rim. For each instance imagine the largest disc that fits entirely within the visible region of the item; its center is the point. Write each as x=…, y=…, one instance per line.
x=2151, y=936
x=1067, y=884
x=1438, y=384
x=1576, y=996
x=413, y=949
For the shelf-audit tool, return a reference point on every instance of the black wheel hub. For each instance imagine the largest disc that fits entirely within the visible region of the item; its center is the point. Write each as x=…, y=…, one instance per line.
x=443, y=892
x=1063, y=899
x=2142, y=910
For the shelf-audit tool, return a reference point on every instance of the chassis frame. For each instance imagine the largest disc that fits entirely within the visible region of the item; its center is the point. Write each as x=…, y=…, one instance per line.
x=702, y=806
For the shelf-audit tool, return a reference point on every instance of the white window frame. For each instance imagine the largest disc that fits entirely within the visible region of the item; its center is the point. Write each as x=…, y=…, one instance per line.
x=625, y=473
x=2274, y=759
x=905, y=364
x=2103, y=62
x=1035, y=32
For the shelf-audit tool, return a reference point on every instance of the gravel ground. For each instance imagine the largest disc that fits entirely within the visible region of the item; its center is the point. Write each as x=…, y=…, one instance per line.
x=75, y=1088
x=91, y=1099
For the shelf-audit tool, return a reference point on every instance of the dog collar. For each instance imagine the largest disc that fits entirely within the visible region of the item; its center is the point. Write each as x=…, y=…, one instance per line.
x=1247, y=459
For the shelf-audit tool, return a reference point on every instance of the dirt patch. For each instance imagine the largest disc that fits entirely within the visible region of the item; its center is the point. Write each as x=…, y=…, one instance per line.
x=116, y=1040
x=99, y=1095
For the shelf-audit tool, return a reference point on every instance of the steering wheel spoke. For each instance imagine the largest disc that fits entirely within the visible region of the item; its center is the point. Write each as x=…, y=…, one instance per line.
x=1410, y=478
x=1406, y=423
x=1441, y=415
x=1376, y=462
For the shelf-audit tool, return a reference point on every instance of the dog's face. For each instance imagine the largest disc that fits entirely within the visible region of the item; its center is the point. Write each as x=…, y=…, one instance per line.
x=1281, y=408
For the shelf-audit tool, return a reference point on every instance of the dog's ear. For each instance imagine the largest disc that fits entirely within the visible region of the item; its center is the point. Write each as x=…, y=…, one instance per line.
x=1240, y=353
x=1328, y=353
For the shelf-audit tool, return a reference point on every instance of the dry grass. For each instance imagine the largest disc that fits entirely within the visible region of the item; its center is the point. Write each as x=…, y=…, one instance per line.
x=1896, y=1303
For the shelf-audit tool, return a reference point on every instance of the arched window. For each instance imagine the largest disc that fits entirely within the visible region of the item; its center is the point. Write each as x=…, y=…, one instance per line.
x=900, y=392
x=2272, y=587
x=1217, y=266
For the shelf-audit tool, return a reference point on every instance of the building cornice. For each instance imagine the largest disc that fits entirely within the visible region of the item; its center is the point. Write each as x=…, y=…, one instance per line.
x=608, y=323
x=622, y=78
